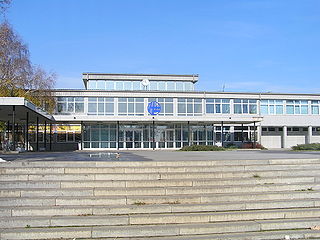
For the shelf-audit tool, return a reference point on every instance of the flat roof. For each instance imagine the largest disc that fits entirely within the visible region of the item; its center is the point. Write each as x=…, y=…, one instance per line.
x=138, y=77
x=193, y=92
x=22, y=107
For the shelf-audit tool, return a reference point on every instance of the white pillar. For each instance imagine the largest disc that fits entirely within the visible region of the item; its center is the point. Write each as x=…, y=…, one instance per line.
x=284, y=137
x=309, y=138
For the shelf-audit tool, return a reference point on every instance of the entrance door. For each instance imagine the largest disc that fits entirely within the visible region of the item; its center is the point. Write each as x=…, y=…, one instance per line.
x=169, y=138
x=132, y=138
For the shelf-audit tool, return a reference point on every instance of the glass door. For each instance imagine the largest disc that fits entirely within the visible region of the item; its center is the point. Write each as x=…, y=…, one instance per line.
x=169, y=138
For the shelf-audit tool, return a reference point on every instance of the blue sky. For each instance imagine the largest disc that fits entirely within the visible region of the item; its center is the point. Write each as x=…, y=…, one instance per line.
x=246, y=45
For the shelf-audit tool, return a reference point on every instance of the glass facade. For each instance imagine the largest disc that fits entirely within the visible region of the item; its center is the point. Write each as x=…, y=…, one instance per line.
x=137, y=85
x=189, y=106
x=166, y=105
x=315, y=107
x=272, y=107
x=130, y=106
x=245, y=106
x=100, y=106
x=216, y=106
x=161, y=135
x=70, y=105
x=297, y=107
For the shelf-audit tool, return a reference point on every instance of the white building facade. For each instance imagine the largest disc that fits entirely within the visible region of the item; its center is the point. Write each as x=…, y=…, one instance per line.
x=112, y=112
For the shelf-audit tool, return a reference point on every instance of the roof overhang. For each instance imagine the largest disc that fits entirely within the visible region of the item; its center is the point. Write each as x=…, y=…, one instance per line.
x=22, y=108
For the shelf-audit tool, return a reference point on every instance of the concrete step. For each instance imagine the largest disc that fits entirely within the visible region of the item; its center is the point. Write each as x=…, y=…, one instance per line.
x=133, y=191
x=269, y=235
x=174, y=207
x=147, y=163
x=158, y=230
x=174, y=169
x=156, y=199
x=158, y=176
x=154, y=183
x=144, y=219
x=227, y=197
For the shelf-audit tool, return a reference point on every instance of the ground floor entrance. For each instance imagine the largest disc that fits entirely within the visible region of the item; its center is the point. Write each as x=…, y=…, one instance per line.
x=163, y=135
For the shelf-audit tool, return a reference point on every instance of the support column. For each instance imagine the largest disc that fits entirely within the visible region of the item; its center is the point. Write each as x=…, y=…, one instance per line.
x=37, y=135
x=118, y=134
x=81, y=138
x=13, y=131
x=27, y=133
x=153, y=136
x=242, y=137
x=50, y=137
x=189, y=134
x=222, y=137
x=254, y=135
x=284, y=137
x=45, y=135
x=309, y=138
x=232, y=134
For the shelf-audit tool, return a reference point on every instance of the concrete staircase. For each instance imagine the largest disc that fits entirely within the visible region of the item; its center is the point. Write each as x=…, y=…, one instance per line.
x=227, y=199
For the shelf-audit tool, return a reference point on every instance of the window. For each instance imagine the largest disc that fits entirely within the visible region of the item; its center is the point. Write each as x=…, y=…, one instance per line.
x=216, y=106
x=315, y=107
x=70, y=105
x=109, y=85
x=297, y=107
x=189, y=107
x=166, y=105
x=131, y=106
x=100, y=136
x=245, y=106
x=271, y=107
x=100, y=106
x=101, y=85
x=92, y=84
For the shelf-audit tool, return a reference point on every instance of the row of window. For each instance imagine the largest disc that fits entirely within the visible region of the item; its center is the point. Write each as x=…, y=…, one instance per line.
x=137, y=85
x=185, y=106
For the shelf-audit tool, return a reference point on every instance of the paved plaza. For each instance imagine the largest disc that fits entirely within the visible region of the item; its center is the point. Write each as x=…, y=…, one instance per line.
x=159, y=155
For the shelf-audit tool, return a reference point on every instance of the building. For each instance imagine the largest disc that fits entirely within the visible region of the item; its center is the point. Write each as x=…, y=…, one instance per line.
x=111, y=112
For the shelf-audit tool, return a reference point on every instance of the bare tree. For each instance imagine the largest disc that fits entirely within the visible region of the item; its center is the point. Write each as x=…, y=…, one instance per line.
x=4, y=4
x=18, y=77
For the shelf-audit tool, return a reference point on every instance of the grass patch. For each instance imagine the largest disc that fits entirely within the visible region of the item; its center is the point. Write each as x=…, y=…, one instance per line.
x=202, y=148
x=304, y=147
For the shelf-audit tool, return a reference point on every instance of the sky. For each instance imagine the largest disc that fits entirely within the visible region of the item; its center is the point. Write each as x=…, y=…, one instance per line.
x=235, y=45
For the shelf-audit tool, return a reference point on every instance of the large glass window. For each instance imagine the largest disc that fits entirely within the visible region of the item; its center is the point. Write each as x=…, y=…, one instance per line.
x=216, y=106
x=245, y=106
x=131, y=106
x=109, y=85
x=189, y=107
x=166, y=105
x=100, y=106
x=315, y=104
x=100, y=136
x=297, y=107
x=92, y=84
x=70, y=105
x=101, y=84
x=271, y=107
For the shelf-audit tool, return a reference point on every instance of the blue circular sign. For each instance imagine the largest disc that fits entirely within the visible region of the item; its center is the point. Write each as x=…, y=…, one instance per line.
x=154, y=108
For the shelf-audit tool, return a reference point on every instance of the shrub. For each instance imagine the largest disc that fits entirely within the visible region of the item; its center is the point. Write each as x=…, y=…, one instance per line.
x=311, y=146
x=231, y=146
x=202, y=148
